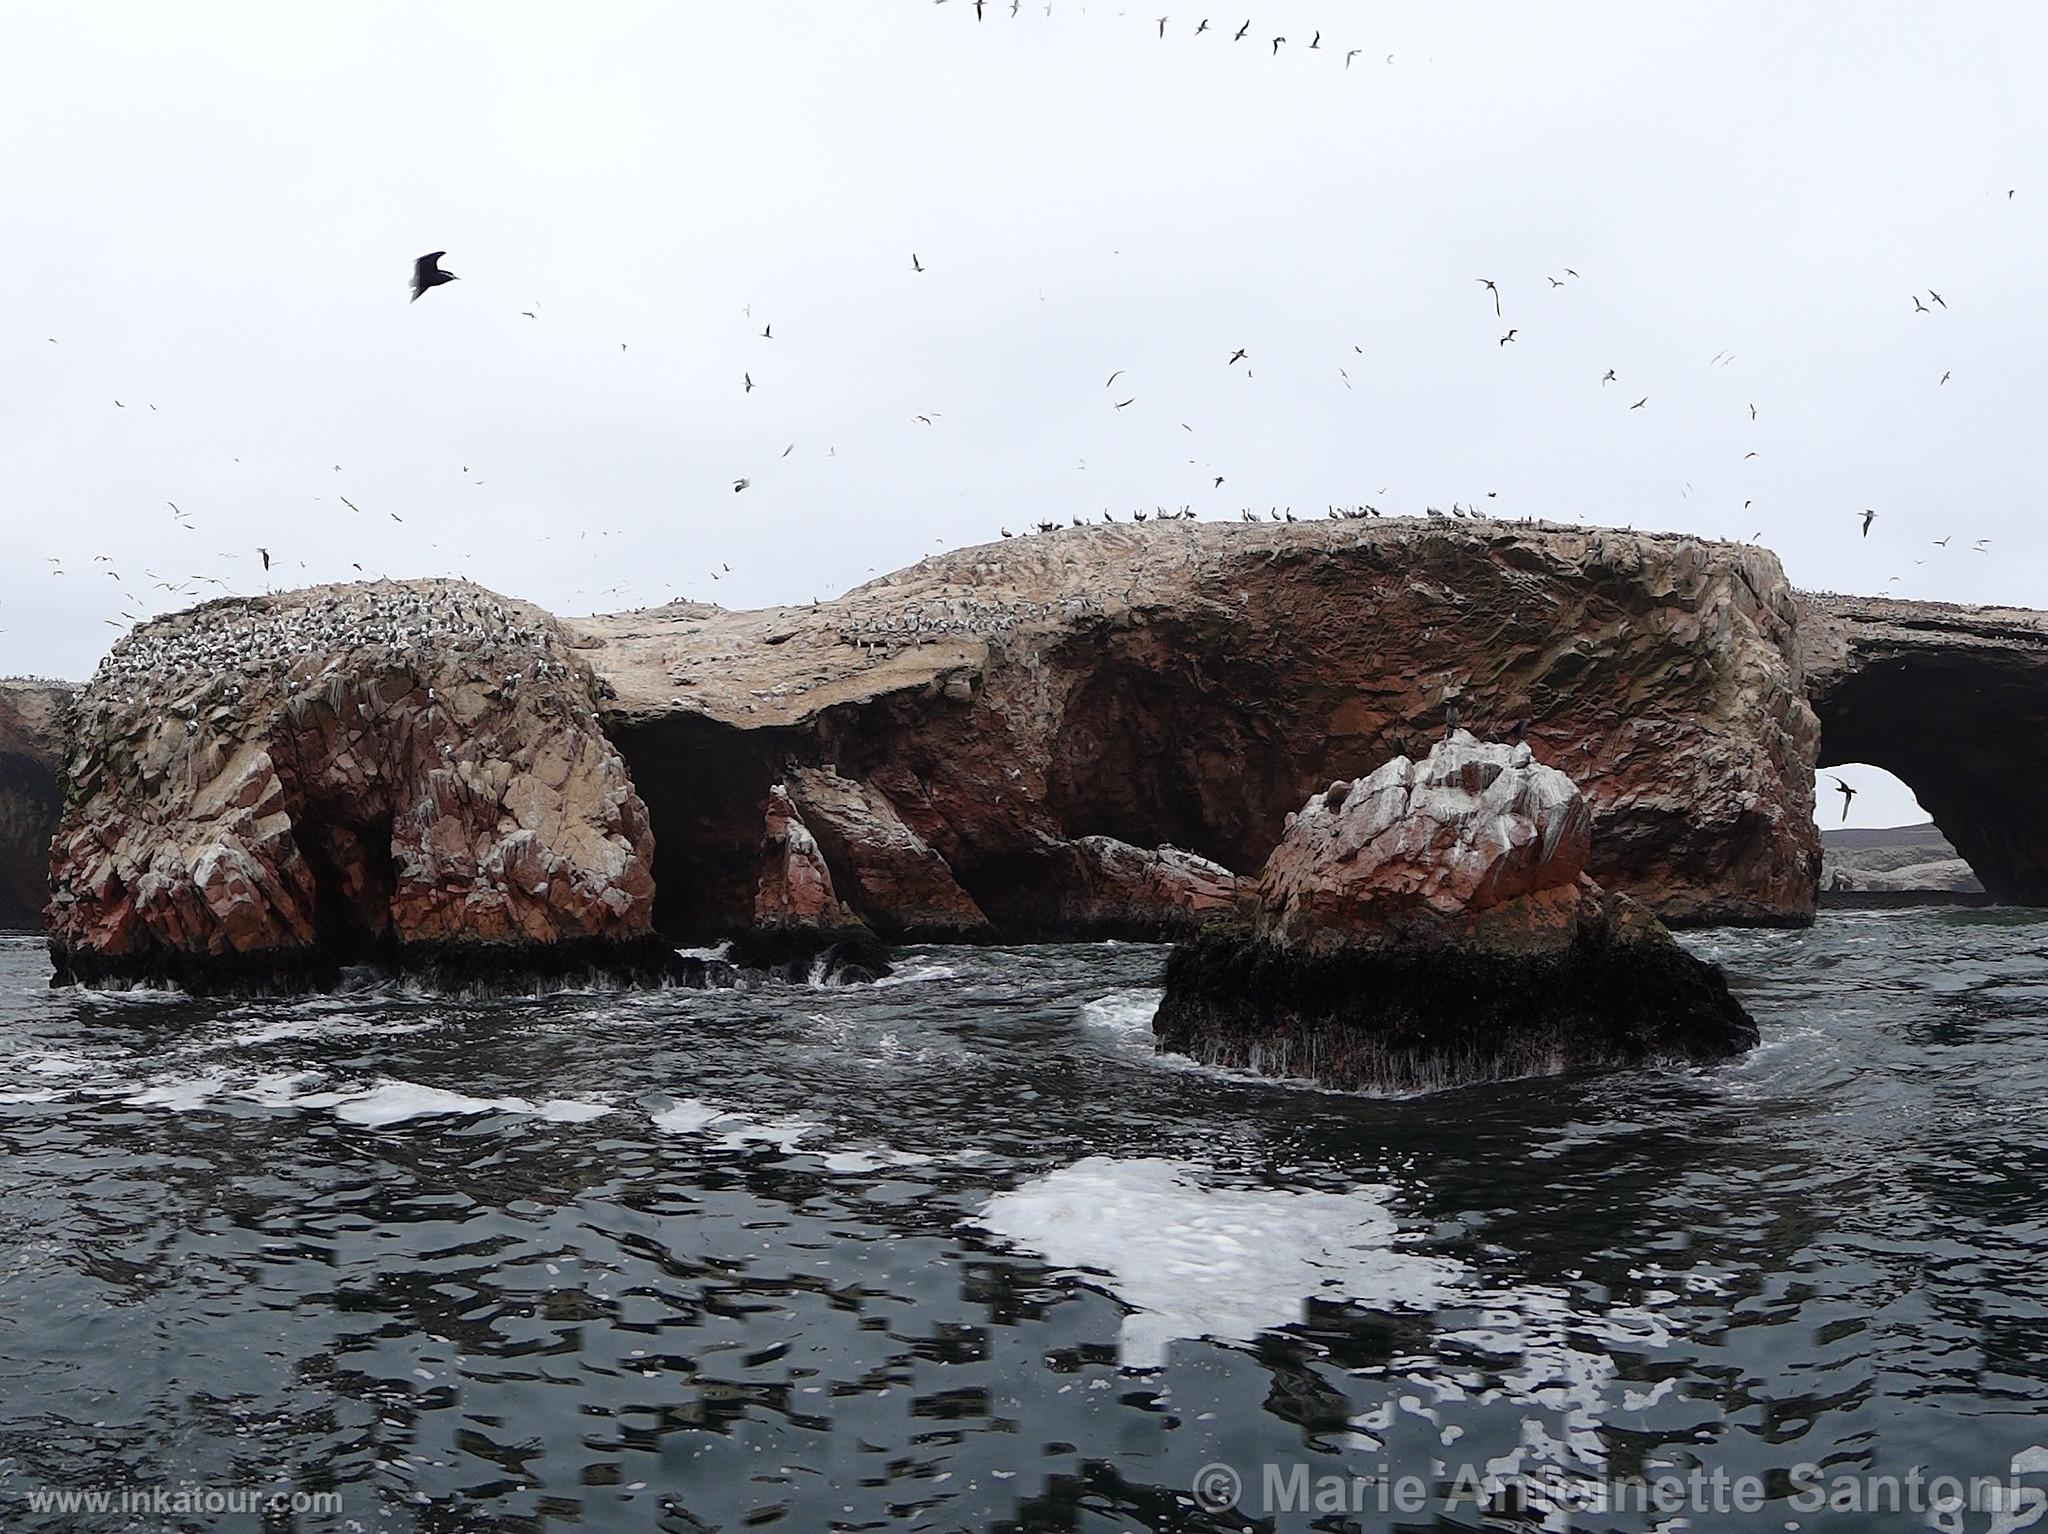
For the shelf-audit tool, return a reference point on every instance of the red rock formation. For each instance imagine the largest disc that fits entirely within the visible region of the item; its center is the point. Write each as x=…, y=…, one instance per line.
x=1478, y=845
x=795, y=888
x=1954, y=700
x=1189, y=684
x=1432, y=924
x=264, y=789
x=1109, y=888
x=31, y=750
x=893, y=879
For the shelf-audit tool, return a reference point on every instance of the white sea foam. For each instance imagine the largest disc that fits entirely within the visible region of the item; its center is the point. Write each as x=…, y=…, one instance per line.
x=1126, y=1014
x=916, y=974
x=179, y=1094
x=395, y=1102
x=322, y=1027
x=735, y=1130
x=1200, y=1261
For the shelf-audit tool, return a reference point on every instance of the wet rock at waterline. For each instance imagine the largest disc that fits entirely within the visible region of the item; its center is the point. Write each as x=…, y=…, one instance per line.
x=1433, y=924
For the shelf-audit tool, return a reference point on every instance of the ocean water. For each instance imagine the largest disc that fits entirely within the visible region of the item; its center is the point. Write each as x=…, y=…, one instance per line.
x=960, y=1252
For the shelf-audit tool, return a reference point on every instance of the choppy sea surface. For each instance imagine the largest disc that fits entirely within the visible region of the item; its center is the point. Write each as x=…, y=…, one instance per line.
x=959, y=1251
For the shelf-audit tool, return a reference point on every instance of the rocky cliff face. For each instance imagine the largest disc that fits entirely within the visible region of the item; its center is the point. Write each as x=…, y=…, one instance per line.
x=1954, y=700
x=32, y=723
x=1187, y=685
x=261, y=790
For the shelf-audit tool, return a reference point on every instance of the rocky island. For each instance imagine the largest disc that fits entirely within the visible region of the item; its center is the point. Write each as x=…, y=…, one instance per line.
x=259, y=792
x=1092, y=732
x=1432, y=924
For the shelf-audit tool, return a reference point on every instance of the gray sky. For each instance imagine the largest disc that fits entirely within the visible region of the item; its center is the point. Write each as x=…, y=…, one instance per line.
x=215, y=210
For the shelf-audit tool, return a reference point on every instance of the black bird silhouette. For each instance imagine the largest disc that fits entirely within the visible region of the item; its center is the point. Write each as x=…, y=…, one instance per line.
x=1203, y=27
x=1640, y=403
x=1276, y=44
x=1131, y=401
x=1918, y=307
x=1235, y=356
x=1937, y=298
x=1219, y=482
x=1869, y=517
x=1942, y=543
x=1241, y=32
x=1508, y=337
x=767, y=332
x=1848, y=795
x=748, y=380
x=1113, y=377
x=1354, y=53
x=1487, y=283
x=1162, y=27
x=1752, y=412
x=1608, y=379
x=427, y=273
x=915, y=264
x=266, y=559
x=1316, y=41
x=1944, y=378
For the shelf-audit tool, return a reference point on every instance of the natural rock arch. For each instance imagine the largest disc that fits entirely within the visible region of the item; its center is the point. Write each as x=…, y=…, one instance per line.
x=1952, y=700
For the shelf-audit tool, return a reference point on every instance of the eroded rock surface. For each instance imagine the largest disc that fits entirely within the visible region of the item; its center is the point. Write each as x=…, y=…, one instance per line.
x=1954, y=700
x=1432, y=924
x=1186, y=684
x=1109, y=888
x=410, y=774
x=32, y=725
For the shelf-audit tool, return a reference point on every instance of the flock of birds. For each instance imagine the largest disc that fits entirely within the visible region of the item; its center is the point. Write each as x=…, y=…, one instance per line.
x=292, y=636
x=201, y=666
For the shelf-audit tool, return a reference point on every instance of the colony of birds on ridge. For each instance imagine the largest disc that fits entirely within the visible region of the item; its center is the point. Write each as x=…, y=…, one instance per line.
x=428, y=274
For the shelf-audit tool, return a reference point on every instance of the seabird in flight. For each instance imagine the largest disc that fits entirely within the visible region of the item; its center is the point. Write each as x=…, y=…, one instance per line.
x=1848, y=795
x=1487, y=283
x=427, y=273
x=1869, y=517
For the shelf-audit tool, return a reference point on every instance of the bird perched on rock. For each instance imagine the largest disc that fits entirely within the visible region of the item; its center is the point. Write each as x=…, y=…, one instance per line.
x=427, y=273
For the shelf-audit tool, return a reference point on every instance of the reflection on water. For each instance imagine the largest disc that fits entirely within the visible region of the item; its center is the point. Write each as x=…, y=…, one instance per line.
x=959, y=1252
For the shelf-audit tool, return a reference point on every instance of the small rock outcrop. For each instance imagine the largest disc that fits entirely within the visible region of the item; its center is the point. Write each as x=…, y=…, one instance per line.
x=1109, y=888
x=262, y=791
x=802, y=929
x=32, y=723
x=892, y=879
x=1433, y=924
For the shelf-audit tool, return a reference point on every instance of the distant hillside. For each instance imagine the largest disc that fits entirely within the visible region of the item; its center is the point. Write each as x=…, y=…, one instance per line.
x=1892, y=858
x=1856, y=838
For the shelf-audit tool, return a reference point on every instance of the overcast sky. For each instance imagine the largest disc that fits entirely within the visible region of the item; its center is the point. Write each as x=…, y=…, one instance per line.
x=214, y=210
